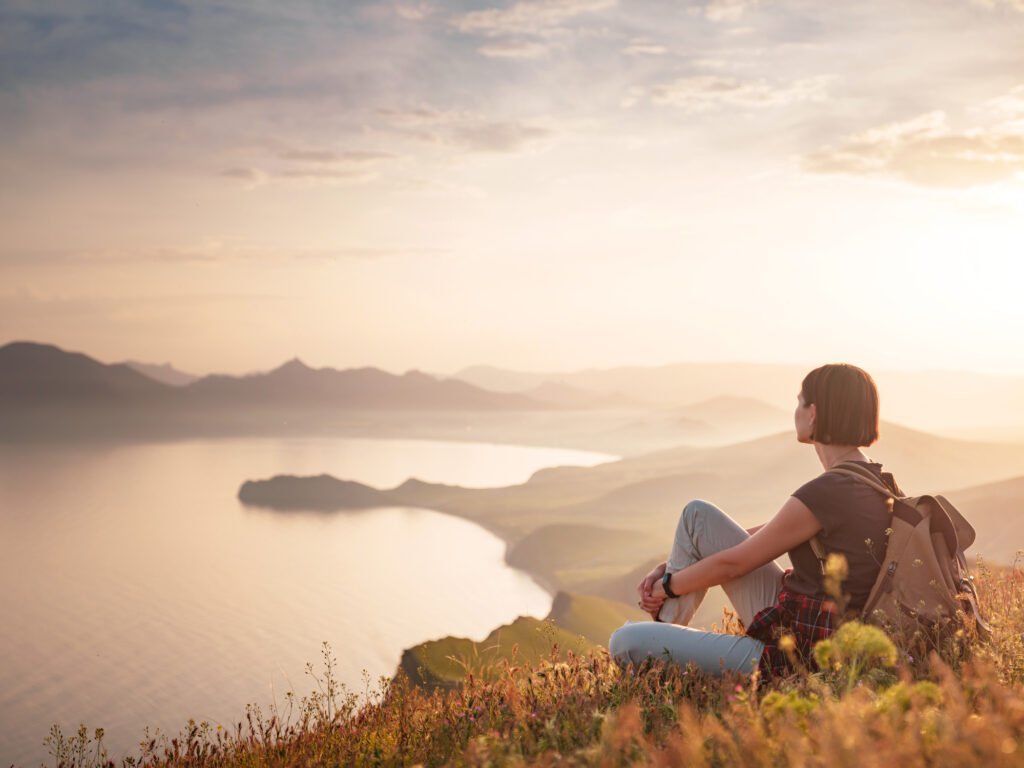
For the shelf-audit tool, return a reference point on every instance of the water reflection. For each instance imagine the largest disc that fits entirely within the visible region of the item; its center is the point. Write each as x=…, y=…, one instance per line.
x=139, y=591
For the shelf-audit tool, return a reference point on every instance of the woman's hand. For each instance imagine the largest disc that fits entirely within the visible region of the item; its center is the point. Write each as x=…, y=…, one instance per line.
x=645, y=589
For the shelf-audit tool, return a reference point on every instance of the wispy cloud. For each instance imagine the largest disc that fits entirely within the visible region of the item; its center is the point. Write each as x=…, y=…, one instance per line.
x=466, y=131
x=415, y=11
x=514, y=49
x=1009, y=106
x=245, y=174
x=702, y=93
x=927, y=151
x=527, y=17
x=332, y=156
x=253, y=177
x=727, y=10
x=328, y=175
x=643, y=47
x=290, y=162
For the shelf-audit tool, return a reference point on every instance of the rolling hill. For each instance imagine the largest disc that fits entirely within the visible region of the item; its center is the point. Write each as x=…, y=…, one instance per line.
x=596, y=530
x=996, y=510
x=931, y=400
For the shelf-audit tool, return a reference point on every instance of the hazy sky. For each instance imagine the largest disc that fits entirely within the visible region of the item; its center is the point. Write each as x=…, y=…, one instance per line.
x=541, y=184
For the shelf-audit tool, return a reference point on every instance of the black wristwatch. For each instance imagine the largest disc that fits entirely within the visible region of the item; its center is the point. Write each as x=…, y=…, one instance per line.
x=664, y=584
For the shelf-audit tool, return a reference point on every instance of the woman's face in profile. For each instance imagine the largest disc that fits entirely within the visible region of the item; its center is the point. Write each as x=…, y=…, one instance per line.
x=803, y=420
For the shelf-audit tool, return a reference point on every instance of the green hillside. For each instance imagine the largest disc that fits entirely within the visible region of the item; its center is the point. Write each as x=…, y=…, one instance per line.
x=577, y=623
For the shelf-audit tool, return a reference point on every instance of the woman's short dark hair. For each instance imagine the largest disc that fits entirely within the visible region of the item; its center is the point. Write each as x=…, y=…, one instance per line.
x=846, y=404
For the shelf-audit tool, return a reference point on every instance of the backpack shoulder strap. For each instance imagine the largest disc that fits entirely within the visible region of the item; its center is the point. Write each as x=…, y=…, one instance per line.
x=819, y=551
x=850, y=469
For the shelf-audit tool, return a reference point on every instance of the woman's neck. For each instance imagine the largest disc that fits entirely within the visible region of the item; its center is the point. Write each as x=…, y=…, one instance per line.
x=830, y=455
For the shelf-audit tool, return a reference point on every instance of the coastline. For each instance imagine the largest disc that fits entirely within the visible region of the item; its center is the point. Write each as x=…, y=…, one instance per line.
x=571, y=614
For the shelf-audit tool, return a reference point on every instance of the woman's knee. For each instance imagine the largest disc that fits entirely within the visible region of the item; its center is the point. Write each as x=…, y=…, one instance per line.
x=697, y=511
x=618, y=643
x=627, y=643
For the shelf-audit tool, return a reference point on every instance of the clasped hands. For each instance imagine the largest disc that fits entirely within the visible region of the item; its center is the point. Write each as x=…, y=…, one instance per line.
x=651, y=593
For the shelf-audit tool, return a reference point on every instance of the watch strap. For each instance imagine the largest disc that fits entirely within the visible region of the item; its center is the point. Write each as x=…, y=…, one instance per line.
x=666, y=586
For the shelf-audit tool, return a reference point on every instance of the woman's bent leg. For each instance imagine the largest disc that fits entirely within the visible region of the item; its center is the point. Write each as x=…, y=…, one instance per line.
x=635, y=641
x=703, y=530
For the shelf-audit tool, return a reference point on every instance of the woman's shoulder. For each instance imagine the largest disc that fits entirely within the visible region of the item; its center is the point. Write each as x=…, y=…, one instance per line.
x=836, y=479
x=832, y=497
x=827, y=484
x=886, y=478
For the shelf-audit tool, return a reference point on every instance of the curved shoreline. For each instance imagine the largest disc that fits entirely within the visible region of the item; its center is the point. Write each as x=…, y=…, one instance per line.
x=346, y=495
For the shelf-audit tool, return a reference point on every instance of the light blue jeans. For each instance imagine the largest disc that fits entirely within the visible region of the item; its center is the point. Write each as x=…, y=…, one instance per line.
x=703, y=529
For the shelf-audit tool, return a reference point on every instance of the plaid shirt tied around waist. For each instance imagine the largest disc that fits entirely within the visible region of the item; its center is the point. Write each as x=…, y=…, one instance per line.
x=805, y=618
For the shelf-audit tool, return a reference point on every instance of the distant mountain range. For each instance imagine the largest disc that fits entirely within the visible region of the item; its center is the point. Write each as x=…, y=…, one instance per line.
x=166, y=373
x=32, y=374
x=931, y=400
x=295, y=383
x=46, y=391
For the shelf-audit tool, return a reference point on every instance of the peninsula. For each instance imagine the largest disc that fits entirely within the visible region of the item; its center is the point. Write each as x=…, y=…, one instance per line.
x=588, y=534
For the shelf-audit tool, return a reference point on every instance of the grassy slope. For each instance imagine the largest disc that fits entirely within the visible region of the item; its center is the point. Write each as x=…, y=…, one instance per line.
x=873, y=705
x=576, y=622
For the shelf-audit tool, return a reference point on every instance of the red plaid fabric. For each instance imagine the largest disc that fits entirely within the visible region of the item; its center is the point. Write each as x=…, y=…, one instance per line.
x=805, y=618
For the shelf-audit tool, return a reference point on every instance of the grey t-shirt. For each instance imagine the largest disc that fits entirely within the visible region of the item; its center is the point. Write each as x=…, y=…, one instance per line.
x=854, y=518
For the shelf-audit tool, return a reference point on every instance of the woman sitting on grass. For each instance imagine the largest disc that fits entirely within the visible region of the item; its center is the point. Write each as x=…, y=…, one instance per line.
x=837, y=413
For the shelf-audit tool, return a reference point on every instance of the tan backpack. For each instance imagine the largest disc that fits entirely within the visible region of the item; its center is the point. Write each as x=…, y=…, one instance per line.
x=923, y=580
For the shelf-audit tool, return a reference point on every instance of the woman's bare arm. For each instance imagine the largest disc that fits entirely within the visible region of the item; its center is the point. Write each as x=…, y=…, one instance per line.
x=791, y=526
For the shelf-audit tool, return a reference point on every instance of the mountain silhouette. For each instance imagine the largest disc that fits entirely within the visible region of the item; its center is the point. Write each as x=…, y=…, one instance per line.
x=42, y=374
x=47, y=392
x=296, y=383
x=166, y=373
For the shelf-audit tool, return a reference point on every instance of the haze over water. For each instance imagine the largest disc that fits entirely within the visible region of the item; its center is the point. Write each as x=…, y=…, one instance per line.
x=140, y=591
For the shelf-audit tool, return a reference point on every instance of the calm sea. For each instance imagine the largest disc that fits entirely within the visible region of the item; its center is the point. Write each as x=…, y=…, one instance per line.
x=136, y=590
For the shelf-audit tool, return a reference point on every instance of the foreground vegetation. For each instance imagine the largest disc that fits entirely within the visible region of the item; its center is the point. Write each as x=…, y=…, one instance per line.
x=919, y=701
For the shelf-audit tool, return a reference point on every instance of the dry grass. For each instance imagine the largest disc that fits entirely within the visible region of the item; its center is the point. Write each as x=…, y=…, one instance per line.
x=918, y=702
